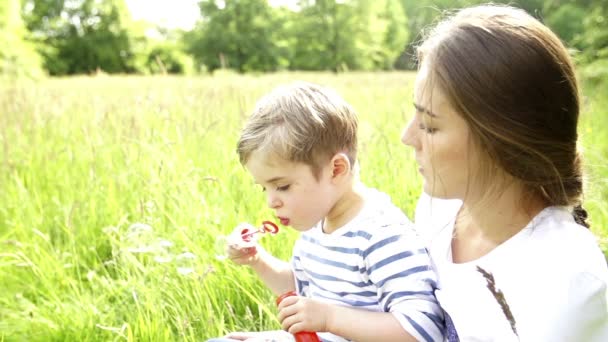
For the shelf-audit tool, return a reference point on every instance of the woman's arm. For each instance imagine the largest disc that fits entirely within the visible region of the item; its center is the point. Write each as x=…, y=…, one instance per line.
x=583, y=313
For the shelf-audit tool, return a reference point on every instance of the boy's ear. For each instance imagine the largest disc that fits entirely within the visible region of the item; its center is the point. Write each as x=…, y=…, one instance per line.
x=340, y=166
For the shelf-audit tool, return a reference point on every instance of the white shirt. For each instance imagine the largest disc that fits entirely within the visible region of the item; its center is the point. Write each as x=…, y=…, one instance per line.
x=552, y=275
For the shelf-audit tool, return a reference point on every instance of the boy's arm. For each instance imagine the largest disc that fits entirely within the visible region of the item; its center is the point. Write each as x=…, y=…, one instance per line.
x=275, y=273
x=401, y=270
x=417, y=317
x=362, y=325
x=305, y=314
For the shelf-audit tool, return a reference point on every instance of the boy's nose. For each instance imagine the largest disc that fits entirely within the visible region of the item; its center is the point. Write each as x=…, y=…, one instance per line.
x=273, y=202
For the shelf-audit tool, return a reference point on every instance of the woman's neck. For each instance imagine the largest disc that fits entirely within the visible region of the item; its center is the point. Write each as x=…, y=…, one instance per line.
x=484, y=222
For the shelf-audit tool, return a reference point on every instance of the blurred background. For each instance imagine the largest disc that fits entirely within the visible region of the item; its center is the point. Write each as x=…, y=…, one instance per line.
x=118, y=126
x=67, y=37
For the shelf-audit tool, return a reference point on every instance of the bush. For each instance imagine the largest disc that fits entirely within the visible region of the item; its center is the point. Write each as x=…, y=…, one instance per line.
x=166, y=58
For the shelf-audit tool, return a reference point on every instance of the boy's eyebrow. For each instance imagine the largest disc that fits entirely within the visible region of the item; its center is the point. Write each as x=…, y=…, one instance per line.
x=424, y=110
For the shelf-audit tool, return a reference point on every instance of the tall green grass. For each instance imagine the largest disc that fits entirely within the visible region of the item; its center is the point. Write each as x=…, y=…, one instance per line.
x=113, y=190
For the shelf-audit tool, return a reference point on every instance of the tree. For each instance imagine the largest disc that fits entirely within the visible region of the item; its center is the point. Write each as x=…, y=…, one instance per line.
x=17, y=57
x=567, y=21
x=593, y=42
x=241, y=34
x=356, y=34
x=81, y=36
x=422, y=15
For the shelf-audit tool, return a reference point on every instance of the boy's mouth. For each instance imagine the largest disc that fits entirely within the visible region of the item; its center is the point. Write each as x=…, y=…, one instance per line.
x=284, y=220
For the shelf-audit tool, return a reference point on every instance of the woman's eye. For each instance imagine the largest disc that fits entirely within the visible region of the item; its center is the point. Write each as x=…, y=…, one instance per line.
x=429, y=130
x=283, y=188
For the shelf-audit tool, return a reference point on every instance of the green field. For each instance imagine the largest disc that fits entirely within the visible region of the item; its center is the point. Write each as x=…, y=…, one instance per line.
x=113, y=190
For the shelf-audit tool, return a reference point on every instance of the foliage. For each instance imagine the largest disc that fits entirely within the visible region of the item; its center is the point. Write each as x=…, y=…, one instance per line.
x=81, y=36
x=567, y=21
x=18, y=58
x=241, y=34
x=565, y=17
x=167, y=58
x=250, y=35
x=358, y=34
x=594, y=43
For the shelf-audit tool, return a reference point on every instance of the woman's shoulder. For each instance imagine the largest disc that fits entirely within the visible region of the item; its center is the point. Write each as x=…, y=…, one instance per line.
x=567, y=245
x=556, y=277
x=567, y=256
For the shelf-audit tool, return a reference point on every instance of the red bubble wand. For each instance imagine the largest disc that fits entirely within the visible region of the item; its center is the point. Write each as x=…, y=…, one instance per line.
x=266, y=227
x=244, y=239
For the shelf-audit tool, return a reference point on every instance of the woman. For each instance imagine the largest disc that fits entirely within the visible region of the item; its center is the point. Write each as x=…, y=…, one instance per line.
x=495, y=136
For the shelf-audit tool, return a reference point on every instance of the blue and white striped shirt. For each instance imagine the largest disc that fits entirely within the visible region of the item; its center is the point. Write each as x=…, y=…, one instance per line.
x=375, y=262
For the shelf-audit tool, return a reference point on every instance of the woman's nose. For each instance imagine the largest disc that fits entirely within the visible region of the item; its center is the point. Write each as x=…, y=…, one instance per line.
x=410, y=134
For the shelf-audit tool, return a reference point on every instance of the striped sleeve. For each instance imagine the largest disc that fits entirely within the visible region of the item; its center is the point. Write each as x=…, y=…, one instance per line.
x=400, y=267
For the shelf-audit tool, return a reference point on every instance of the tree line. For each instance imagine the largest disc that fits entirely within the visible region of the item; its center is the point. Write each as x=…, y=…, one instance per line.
x=66, y=37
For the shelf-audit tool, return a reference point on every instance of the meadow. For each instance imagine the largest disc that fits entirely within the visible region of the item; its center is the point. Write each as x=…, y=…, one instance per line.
x=114, y=189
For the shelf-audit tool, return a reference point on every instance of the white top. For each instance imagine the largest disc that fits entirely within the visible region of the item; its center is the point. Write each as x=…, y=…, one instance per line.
x=375, y=262
x=552, y=275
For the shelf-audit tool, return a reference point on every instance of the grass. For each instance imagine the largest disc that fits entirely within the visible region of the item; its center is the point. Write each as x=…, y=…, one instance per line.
x=114, y=189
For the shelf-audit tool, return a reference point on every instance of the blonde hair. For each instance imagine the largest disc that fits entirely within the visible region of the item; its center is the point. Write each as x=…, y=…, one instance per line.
x=301, y=122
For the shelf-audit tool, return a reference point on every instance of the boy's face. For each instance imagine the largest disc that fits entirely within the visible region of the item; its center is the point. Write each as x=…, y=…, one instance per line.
x=297, y=198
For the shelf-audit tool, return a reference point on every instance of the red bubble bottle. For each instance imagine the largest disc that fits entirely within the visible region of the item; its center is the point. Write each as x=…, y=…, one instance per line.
x=302, y=336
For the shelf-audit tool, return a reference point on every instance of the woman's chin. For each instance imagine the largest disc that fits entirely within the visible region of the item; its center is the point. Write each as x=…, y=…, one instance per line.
x=432, y=191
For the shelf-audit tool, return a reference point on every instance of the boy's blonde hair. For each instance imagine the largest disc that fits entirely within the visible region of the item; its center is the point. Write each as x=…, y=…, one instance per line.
x=301, y=122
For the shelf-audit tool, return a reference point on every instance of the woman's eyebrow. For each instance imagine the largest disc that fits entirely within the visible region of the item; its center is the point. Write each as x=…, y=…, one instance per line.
x=275, y=179
x=424, y=110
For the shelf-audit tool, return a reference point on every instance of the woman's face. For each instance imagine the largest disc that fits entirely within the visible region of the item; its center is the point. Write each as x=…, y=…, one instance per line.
x=440, y=138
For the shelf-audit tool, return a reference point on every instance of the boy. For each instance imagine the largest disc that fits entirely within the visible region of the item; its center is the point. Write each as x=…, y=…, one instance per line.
x=360, y=271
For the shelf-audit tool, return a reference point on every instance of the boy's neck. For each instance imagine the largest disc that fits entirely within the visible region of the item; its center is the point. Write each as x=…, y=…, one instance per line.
x=345, y=208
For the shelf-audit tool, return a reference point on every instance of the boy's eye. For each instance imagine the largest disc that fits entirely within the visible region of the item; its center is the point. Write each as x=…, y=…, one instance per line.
x=283, y=188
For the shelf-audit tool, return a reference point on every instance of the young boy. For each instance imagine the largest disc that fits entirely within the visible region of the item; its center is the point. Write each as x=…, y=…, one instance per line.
x=360, y=271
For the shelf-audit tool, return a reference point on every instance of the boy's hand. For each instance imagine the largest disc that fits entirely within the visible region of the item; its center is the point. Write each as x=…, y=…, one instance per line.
x=265, y=336
x=240, y=251
x=303, y=314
